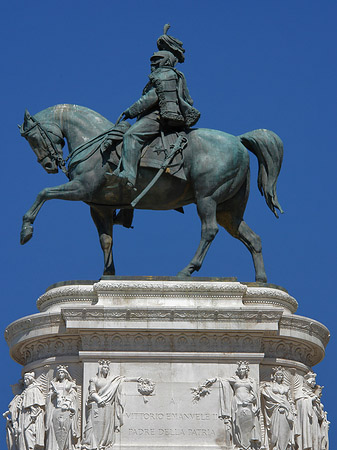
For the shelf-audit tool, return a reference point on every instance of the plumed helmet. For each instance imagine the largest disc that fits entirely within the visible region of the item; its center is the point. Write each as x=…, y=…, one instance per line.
x=168, y=58
x=171, y=44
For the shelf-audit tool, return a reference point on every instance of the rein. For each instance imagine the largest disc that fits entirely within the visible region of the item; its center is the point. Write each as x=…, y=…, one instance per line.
x=84, y=146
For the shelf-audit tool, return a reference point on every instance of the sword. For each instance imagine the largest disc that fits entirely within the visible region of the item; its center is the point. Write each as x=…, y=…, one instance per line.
x=179, y=145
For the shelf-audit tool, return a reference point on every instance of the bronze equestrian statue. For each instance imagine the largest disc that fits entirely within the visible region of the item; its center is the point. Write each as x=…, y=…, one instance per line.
x=179, y=165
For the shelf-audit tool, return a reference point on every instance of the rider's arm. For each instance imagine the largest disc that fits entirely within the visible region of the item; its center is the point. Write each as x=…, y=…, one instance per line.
x=146, y=102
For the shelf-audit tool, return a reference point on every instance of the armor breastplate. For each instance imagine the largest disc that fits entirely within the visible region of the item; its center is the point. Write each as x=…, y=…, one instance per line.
x=165, y=81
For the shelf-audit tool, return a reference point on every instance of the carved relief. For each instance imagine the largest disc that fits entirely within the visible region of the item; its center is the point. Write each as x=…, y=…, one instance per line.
x=200, y=342
x=278, y=411
x=45, y=348
x=62, y=410
x=240, y=405
x=202, y=390
x=12, y=417
x=104, y=408
x=239, y=408
x=192, y=342
x=145, y=386
x=289, y=349
x=312, y=423
x=25, y=415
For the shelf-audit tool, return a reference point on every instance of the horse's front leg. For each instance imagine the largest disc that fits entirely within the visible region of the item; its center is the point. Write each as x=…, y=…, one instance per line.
x=73, y=190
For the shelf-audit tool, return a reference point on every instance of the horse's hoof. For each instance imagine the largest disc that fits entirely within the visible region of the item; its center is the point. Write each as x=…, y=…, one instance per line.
x=261, y=279
x=109, y=273
x=26, y=234
x=183, y=274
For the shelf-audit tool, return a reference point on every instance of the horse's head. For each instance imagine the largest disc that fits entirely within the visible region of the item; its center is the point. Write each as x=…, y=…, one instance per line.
x=46, y=140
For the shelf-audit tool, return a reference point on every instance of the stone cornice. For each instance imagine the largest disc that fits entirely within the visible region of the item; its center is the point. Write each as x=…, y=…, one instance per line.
x=133, y=314
x=36, y=323
x=117, y=292
x=269, y=296
x=68, y=294
x=308, y=326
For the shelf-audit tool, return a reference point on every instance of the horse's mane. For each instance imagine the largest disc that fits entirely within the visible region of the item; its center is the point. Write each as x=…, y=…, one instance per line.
x=58, y=111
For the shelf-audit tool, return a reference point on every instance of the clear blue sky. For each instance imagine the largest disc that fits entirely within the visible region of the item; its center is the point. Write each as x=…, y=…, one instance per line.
x=249, y=64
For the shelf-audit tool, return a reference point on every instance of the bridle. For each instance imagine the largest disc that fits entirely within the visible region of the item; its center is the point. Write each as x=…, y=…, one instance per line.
x=56, y=156
x=53, y=153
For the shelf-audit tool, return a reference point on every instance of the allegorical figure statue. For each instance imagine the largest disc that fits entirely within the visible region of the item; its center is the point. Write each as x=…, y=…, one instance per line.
x=165, y=105
x=323, y=420
x=104, y=409
x=325, y=431
x=12, y=417
x=278, y=412
x=309, y=415
x=30, y=415
x=239, y=404
x=62, y=412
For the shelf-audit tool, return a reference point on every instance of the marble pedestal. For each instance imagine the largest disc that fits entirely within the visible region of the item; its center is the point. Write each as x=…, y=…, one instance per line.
x=164, y=338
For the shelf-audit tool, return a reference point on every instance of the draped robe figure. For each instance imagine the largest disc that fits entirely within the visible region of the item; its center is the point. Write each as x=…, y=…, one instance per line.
x=62, y=412
x=278, y=412
x=12, y=418
x=239, y=401
x=104, y=410
x=309, y=415
x=325, y=431
x=31, y=415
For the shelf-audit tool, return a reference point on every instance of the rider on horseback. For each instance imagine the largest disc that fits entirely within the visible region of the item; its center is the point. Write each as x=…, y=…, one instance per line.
x=165, y=104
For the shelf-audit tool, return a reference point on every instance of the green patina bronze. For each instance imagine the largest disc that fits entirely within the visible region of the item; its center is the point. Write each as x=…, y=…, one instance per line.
x=207, y=167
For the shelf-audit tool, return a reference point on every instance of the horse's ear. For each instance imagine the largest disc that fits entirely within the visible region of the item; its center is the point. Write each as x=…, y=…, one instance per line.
x=26, y=121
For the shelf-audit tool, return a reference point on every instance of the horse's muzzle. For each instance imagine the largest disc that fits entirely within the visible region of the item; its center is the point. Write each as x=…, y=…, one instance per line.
x=49, y=165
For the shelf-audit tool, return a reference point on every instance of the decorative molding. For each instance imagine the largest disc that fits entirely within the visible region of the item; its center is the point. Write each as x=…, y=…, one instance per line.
x=50, y=347
x=143, y=288
x=177, y=314
x=66, y=294
x=166, y=289
x=292, y=350
x=272, y=347
x=30, y=323
x=169, y=342
x=311, y=327
x=190, y=357
x=269, y=296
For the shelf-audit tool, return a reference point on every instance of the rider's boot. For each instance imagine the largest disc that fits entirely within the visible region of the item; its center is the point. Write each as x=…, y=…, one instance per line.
x=129, y=166
x=128, y=180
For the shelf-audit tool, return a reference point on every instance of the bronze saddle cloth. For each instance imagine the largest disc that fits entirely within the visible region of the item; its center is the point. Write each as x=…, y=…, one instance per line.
x=154, y=153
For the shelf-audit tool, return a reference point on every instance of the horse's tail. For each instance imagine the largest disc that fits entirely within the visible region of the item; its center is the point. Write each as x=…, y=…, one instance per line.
x=268, y=148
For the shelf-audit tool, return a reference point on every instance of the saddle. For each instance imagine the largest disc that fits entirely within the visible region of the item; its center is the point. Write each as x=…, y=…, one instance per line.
x=154, y=153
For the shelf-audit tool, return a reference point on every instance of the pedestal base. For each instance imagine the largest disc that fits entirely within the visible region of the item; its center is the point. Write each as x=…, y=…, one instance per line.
x=173, y=349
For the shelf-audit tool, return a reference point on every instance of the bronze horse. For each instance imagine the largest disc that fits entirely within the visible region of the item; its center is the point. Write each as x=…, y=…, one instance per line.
x=216, y=165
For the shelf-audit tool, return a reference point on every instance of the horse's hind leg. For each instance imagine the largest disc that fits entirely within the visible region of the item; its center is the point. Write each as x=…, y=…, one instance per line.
x=237, y=227
x=207, y=212
x=103, y=219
